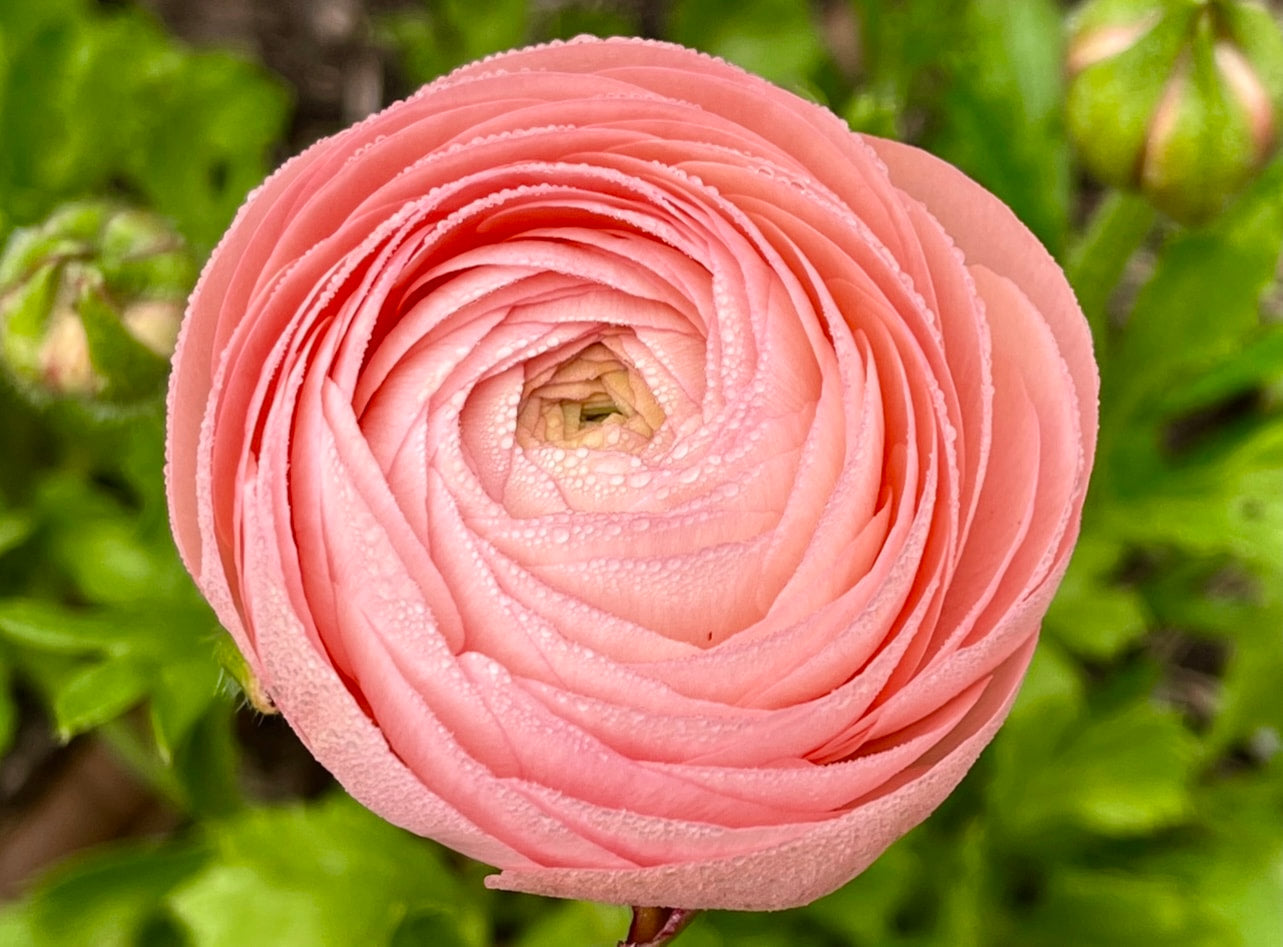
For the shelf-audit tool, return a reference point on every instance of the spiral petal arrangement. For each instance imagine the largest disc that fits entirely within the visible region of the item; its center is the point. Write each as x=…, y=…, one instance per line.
x=617, y=470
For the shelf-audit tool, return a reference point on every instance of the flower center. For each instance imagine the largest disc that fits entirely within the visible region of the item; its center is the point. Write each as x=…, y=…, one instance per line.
x=593, y=399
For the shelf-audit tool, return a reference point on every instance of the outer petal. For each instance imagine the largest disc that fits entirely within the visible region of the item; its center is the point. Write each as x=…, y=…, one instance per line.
x=988, y=233
x=811, y=865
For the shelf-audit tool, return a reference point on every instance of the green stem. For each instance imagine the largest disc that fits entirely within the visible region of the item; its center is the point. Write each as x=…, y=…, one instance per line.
x=1099, y=258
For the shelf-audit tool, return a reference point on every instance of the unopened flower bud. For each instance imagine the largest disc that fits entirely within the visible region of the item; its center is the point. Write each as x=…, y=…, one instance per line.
x=90, y=303
x=1180, y=99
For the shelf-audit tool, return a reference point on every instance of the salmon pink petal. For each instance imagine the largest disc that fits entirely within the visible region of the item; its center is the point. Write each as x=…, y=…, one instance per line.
x=617, y=470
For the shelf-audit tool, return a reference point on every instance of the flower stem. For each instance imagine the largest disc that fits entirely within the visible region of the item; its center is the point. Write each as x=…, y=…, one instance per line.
x=654, y=927
x=1098, y=259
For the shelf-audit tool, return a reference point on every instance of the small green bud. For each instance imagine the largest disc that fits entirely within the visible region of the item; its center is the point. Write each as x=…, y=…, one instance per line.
x=90, y=304
x=1181, y=99
x=234, y=663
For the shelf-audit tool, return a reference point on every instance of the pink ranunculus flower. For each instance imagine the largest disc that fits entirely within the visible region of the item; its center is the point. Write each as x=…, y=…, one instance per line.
x=620, y=472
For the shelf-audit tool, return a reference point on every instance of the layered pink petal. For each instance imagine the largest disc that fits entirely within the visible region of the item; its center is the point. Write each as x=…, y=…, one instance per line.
x=617, y=470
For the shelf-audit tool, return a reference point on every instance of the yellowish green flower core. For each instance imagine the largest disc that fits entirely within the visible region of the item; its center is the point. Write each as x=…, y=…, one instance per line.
x=593, y=399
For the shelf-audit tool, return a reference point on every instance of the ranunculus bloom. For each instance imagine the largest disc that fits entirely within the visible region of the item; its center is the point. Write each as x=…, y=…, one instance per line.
x=617, y=470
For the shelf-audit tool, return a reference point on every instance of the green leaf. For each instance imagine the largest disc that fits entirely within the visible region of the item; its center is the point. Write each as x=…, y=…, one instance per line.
x=1124, y=774
x=1227, y=499
x=1117, y=909
x=967, y=913
x=904, y=45
x=1258, y=362
x=1129, y=772
x=15, y=527
x=484, y=29
x=437, y=37
x=98, y=693
x=106, y=899
x=1050, y=699
x=773, y=38
x=233, y=905
x=1024, y=755
x=212, y=120
x=1000, y=118
x=110, y=562
x=1249, y=706
x=206, y=765
x=326, y=874
x=430, y=927
x=8, y=710
x=112, y=553
x=39, y=624
x=97, y=98
x=578, y=922
x=1253, y=902
x=15, y=926
x=1240, y=874
x=20, y=21
x=1092, y=614
x=153, y=630
x=181, y=693
x=1206, y=595
x=1196, y=314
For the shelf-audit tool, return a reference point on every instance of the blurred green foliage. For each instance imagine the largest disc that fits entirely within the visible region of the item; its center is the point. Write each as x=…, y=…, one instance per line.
x=92, y=100
x=1135, y=796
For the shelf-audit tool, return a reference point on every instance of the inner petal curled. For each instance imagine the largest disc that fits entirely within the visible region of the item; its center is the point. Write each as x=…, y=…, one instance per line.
x=594, y=399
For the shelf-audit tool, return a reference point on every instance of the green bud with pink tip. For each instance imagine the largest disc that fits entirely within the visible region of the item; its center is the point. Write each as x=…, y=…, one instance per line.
x=1180, y=99
x=90, y=304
